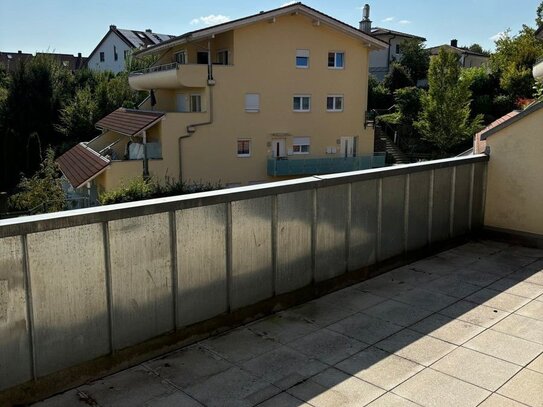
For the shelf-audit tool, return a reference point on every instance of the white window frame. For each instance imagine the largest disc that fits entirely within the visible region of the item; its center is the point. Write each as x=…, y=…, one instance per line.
x=335, y=66
x=182, y=52
x=252, y=107
x=334, y=103
x=243, y=155
x=302, y=53
x=192, y=107
x=298, y=143
x=223, y=51
x=301, y=109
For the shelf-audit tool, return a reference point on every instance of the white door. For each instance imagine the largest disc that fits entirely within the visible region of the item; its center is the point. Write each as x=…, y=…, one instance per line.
x=279, y=148
x=182, y=102
x=347, y=147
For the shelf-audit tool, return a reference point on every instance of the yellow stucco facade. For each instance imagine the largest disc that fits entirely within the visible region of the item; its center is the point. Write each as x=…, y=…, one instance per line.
x=515, y=175
x=261, y=60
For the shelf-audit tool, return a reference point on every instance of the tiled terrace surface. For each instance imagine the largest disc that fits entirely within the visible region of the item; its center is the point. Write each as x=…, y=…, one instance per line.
x=463, y=328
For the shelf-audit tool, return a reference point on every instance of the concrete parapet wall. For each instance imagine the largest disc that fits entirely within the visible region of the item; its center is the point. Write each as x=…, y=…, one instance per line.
x=83, y=284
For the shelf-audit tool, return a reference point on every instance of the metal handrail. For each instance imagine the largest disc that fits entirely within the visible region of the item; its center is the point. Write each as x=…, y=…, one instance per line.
x=158, y=68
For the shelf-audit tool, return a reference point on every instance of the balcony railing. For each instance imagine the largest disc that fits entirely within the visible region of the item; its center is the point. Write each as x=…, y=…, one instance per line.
x=284, y=166
x=158, y=68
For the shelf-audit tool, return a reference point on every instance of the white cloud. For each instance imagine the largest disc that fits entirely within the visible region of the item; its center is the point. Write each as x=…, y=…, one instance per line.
x=288, y=3
x=404, y=22
x=211, y=19
x=388, y=19
x=497, y=36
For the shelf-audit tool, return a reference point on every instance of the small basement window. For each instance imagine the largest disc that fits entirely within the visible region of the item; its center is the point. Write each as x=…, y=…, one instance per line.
x=300, y=145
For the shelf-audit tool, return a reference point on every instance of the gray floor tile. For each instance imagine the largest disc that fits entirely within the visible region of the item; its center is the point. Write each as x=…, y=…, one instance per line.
x=284, y=367
x=447, y=329
x=525, y=252
x=476, y=368
x=327, y=346
x=436, y=265
x=495, y=400
x=505, y=347
x=385, y=285
x=452, y=285
x=177, y=399
x=380, y=368
x=496, y=299
x=526, y=387
x=432, y=301
x=537, y=364
x=474, y=314
x=397, y=312
x=502, y=263
x=533, y=310
x=532, y=273
x=391, y=400
x=240, y=345
x=520, y=288
x=412, y=276
x=476, y=277
x=333, y=388
x=353, y=299
x=365, y=328
x=188, y=366
x=283, y=327
x=233, y=387
x=522, y=327
x=432, y=388
x=68, y=399
x=320, y=312
x=417, y=347
x=283, y=400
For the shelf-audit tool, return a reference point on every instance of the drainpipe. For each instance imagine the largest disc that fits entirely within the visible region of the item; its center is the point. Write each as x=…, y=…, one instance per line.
x=145, y=158
x=389, y=45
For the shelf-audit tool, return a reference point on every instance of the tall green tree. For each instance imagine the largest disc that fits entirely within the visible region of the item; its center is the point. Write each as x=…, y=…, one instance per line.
x=398, y=77
x=415, y=58
x=445, y=120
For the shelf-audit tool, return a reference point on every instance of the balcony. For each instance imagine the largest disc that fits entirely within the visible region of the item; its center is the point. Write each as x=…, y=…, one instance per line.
x=169, y=76
x=322, y=165
x=538, y=70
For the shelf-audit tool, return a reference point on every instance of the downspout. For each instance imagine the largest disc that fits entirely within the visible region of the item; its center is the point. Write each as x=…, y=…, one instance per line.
x=389, y=45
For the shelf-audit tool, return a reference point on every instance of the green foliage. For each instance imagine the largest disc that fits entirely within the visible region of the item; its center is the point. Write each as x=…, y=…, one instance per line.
x=78, y=116
x=379, y=97
x=408, y=103
x=139, y=189
x=43, y=191
x=415, y=58
x=539, y=15
x=445, y=117
x=398, y=77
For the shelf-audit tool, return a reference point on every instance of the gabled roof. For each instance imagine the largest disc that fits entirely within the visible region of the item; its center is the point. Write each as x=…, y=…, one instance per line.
x=458, y=50
x=81, y=164
x=507, y=120
x=133, y=38
x=129, y=122
x=267, y=15
x=377, y=31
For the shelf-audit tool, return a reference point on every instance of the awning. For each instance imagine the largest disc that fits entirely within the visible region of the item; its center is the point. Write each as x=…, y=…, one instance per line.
x=128, y=121
x=81, y=164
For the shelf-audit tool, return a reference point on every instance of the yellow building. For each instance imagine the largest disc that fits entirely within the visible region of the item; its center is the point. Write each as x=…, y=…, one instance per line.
x=278, y=94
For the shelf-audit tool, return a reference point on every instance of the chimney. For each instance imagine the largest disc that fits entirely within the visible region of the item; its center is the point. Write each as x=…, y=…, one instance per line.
x=79, y=54
x=19, y=52
x=454, y=43
x=112, y=27
x=365, y=24
x=149, y=31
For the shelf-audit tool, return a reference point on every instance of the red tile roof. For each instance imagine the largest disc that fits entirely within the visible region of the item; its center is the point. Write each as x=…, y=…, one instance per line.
x=129, y=122
x=80, y=164
x=497, y=122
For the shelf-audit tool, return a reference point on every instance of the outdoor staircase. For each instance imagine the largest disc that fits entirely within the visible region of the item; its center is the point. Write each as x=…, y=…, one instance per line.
x=384, y=143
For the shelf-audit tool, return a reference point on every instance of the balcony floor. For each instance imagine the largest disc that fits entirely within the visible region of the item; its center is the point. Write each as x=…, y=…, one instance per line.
x=463, y=328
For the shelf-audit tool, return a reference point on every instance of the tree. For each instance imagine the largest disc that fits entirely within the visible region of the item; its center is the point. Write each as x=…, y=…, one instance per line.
x=445, y=117
x=539, y=15
x=43, y=191
x=379, y=97
x=397, y=78
x=415, y=58
x=78, y=117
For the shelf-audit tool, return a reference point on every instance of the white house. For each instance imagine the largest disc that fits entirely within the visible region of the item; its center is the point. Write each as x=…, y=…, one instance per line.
x=111, y=52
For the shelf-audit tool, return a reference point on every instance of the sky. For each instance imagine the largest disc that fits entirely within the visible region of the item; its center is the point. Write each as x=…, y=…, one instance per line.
x=72, y=26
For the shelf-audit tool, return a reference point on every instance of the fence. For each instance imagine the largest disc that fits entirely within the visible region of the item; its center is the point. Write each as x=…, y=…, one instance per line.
x=78, y=285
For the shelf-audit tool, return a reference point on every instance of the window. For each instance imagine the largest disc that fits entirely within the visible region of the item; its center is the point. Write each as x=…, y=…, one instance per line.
x=301, y=103
x=302, y=58
x=195, y=103
x=252, y=102
x=336, y=60
x=181, y=57
x=102, y=56
x=115, y=55
x=244, y=148
x=300, y=145
x=202, y=57
x=222, y=57
x=334, y=103
x=397, y=48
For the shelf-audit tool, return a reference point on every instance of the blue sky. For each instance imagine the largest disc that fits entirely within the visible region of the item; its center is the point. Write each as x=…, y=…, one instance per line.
x=71, y=26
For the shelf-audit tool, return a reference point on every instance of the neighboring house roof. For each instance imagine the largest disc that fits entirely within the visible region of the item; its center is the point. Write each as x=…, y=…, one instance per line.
x=128, y=121
x=81, y=164
x=539, y=33
x=458, y=50
x=133, y=38
x=377, y=31
x=266, y=15
x=68, y=60
x=12, y=59
x=507, y=120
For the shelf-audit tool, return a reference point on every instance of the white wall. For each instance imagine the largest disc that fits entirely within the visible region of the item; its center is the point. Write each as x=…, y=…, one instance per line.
x=107, y=47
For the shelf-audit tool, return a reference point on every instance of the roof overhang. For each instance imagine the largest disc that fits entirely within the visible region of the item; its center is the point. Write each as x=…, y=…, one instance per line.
x=81, y=164
x=130, y=122
x=297, y=8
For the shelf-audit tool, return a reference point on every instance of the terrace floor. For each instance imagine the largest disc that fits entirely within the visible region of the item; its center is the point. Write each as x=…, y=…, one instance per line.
x=463, y=328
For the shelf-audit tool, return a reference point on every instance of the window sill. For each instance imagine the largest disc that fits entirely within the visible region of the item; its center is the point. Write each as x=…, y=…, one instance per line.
x=301, y=111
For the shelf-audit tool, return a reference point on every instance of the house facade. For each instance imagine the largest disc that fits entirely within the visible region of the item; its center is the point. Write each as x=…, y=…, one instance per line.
x=275, y=95
x=112, y=51
x=467, y=58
